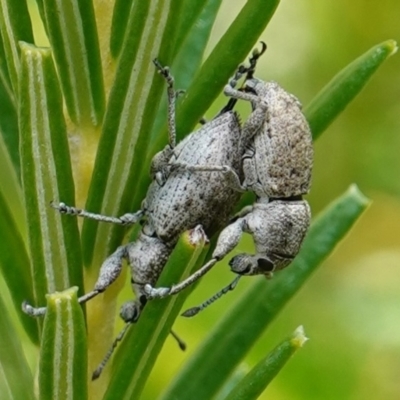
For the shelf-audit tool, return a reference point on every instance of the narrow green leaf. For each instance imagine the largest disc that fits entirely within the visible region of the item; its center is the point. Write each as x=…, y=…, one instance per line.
x=230, y=340
x=255, y=382
x=10, y=187
x=191, y=50
x=9, y=144
x=230, y=51
x=190, y=13
x=63, y=353
x=342, y=89
x=121, y=13
x=15, y=26
x=9, y=128
x=72, y=32
x=14, y=264
x=46, y=176
x=16, y=381
x=4, y=74
x=130, y=115
x=143, y=343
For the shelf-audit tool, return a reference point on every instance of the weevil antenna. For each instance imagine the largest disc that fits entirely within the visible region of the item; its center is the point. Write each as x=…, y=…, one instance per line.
x=191, y=312
x=97, y=372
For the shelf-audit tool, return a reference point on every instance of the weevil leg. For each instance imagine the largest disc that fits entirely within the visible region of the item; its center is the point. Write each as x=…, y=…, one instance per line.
x=109, y=272
x=159, y=165
x=227, y=240
x=172, y=96
x=126, y=219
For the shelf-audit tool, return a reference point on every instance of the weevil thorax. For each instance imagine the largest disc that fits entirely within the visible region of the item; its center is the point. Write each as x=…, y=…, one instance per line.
x=283, y=145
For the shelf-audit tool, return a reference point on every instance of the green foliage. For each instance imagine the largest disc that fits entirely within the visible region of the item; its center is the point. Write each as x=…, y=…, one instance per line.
x=113, y=101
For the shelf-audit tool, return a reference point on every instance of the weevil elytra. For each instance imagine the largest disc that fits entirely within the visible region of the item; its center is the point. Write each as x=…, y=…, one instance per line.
x=277, y=165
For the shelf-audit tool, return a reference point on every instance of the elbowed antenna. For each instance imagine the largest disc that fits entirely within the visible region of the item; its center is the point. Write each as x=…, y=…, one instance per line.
x=191, y=312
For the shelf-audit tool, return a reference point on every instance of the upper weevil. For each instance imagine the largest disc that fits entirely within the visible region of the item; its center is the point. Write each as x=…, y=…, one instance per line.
x=277, y=164
x=190, y=187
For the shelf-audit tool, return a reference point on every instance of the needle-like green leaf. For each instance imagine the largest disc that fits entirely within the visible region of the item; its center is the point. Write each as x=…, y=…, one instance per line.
x=15, y=26
x=72, y=32
x=16, y=381
x=342, y=89
x=254, y=383
x=14, y=264
x=46, y=175
x=63, y=353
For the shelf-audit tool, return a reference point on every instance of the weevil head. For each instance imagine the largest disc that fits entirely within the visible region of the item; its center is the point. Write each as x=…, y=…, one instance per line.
x=131, y=310
x=246, y=264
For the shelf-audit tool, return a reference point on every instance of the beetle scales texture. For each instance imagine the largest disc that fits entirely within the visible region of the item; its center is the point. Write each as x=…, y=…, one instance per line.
x=282, y=162
x=189, y=198
x=277, y=165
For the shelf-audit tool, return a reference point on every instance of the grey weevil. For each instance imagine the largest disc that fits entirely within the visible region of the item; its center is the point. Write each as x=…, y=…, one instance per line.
x=277, y=164
x=191, y=187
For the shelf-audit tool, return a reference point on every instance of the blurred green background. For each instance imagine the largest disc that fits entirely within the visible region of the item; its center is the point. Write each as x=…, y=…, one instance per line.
x=351, y=308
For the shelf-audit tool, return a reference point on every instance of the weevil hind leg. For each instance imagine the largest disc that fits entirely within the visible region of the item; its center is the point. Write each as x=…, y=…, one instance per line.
x=109, y=272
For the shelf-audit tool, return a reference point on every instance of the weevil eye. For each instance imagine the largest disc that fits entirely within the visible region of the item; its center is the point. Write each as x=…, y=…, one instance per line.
x=265, y=265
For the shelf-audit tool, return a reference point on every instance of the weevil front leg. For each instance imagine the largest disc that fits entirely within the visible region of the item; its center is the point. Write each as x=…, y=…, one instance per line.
x=125, y=219
x=227, y=241
x=159, y=165
x=109, y=272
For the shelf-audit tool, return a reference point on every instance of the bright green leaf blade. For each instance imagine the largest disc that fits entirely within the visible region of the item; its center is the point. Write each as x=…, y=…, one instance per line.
x=14, y=264
x=230, y=51
x=63, y=353
x=9, y=129
x=10, y=187
x=16, y=381
x=255, y=382
x=46, y=175
x=342, y=89
x=190, y=13
x=130, y=115
x=4, y=74
x=191, y=52
x=72, y=32
x=121, y=13
x=230, y=340
x=140, y=349
x=15, y=26
x=8, y=114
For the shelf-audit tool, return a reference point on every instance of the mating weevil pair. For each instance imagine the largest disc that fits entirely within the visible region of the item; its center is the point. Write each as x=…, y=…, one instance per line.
x=198, y=182
x=276, y=164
